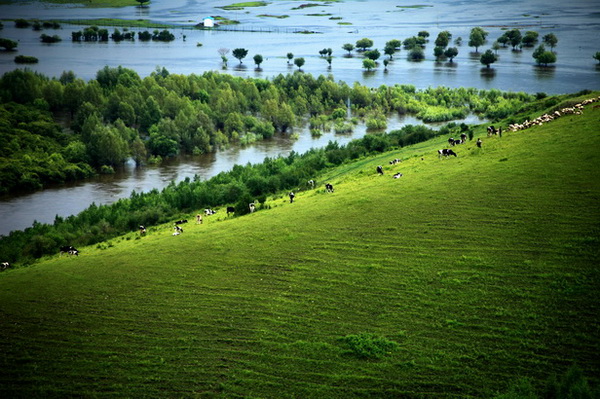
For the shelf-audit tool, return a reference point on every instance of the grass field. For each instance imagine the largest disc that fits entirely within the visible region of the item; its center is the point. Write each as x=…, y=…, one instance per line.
x=476, y=270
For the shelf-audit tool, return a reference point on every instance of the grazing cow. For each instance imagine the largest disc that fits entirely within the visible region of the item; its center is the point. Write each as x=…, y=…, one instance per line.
x=182, y=221
x=445, y=152
x=329, y=188
x=69, y=250
x=142, y=230
x=451, y=141
x=292, y=195
x=479, y=143
x=395, y=161
x=230, y=209
x=178, y=230
x=311, y=183
x=209, y=212
x=4, y=265
x=463, y=137
x=398, y=175
x=252, y=207
x=380, y=169
x=491, y=130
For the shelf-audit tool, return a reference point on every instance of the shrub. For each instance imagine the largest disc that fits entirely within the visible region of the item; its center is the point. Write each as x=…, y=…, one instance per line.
x=24, y=59
x=368, y=346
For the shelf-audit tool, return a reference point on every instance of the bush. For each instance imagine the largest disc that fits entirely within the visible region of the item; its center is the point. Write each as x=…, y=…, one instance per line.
x=368, y=346
x=24, y=59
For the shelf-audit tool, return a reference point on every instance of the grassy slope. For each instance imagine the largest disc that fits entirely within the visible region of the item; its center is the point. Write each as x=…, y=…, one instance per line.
x=481, y=267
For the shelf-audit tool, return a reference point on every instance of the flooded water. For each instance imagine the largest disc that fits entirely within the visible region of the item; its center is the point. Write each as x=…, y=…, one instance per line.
x=576, y=24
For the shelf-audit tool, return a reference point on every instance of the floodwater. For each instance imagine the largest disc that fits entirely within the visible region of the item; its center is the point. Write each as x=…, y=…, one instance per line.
x=576, y=24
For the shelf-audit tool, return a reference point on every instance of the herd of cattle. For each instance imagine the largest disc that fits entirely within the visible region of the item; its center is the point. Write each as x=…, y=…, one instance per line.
x=577, y=109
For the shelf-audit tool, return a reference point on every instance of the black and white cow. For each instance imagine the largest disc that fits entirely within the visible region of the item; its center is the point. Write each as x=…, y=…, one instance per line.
x=329, y=187
x=380, y=169
x=178, y=230
x=252, y=207
x=209, y=212
x=69, y=250
x=142, y=230
x=4, y=265
x=446, y=153
x=463, y=137
x=311, y=183
x=395, y=161
x=398, y=175
x=479, y=143
x=182, y=221
x=230, y=209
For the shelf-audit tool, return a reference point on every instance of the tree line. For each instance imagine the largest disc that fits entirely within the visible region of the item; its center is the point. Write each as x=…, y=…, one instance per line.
x=118, y=116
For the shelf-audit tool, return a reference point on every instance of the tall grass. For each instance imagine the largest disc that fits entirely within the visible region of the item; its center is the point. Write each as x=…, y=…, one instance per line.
x=452, y=281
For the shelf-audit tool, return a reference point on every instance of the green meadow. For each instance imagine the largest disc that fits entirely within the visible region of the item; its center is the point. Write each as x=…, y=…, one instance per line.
x=460, y=278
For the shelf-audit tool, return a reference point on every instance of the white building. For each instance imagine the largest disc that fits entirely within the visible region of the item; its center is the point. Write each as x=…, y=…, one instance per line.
x=208, y=22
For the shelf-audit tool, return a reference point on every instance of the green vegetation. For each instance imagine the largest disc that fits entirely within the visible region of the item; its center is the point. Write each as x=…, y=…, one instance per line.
x=465, y=277
x=415, y=6
x=8, y=44
x=88, y=3
x=25, y=59
x=241, y=6
x=128, y=23
x=274, y=16
x=164, y=114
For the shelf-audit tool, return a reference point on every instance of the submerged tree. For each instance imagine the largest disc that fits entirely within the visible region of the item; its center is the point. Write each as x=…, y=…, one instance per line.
x=240, y=53
x=369, y=64
x=551, y=40
x=543, y=56
x=258, y=59
x=299, y=62
x=488, y=58
x=348, y=47
x=142, y=2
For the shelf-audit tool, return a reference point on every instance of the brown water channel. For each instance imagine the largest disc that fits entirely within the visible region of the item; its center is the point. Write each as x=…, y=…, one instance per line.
x=575, y=23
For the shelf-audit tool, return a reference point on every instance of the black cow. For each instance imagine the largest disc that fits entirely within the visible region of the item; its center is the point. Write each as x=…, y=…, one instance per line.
x=182, y=221
x=69, y=250
x=380, y=169
x=329, y=188
x=479, y=143
x=463, y=137
x=446, y=153
x=230, y=209
x=292, y=195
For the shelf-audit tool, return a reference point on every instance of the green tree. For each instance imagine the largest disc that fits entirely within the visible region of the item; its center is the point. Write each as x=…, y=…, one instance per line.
x=348, y=47
x=543, y=56
x=488, y=58
x=416, y=54
x=597, y=56
x=514, y=37
x=289, y=57
x=142, y=2
x=240, y=53
x=258, y=59
x=424, y=34
x=389, y=50
x=8, y=44
x=476, y=39
x=368, y=64
x=299, y=62
x=372, y=54
x=438, y=52
x=551, y=40
x=451, y=52
x=364, y=43
x=530, y=38
x=443, y=39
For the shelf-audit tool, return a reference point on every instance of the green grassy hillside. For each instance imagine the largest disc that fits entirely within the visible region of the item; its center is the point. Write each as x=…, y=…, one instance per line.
x=480, y=269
